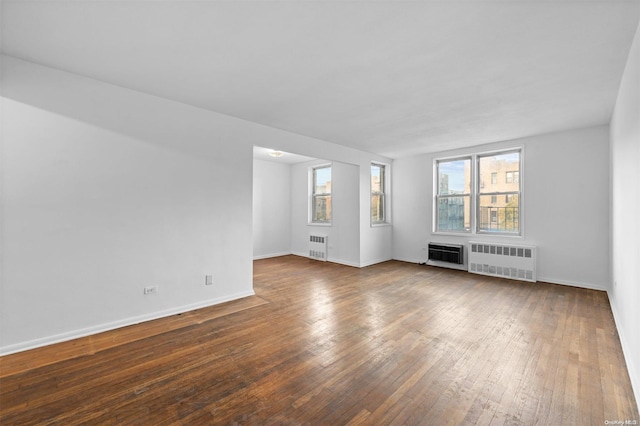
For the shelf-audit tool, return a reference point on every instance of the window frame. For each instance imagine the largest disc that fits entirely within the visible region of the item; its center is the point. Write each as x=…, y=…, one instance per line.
x=515, y=178
x=383, y=193
x=313, y=195
x=476, y=188
x=438, y=196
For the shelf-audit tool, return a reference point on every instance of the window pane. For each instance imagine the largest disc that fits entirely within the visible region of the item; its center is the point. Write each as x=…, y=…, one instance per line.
x=454, y=213
x=322, y=180
x=505, y=165
x=377, y=178
x=377, y=193
x=377, y=208
x=454, y=177
x=321, y=197
x=321, y=208
x=501, y=216
x=495, y=212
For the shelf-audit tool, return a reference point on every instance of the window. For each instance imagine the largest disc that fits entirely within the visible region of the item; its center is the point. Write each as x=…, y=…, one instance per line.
x=513, y=177
x=321, y=194
x=378, y=196
x=453, y=195
x=463, y=203
x=499, y=217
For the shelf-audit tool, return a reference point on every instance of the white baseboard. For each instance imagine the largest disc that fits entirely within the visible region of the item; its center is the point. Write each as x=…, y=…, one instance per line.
x=75, y=334
x=344, y=262
x=373, y=262
x=330, y=259
x=267, y=256
x=571, y=283
x=632, y=368
x=541, y=279
x=410, y=260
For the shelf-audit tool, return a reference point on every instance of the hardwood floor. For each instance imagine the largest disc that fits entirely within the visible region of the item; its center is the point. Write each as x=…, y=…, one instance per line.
x=394, y=343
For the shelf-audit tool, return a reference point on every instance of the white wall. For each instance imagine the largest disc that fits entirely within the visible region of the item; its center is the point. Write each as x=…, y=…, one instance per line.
x=90, y=217
x=107, y=190
x=352, y=241
x=566, y=214
x=625, y=202
x=344, y=232
x=271, y=209
x=375, y=243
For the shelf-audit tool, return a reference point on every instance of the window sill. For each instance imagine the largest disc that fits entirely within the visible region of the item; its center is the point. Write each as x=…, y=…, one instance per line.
x=319, y=224
x=380, y=225
x=454, y=234
x=498, y=234
x=478, y=234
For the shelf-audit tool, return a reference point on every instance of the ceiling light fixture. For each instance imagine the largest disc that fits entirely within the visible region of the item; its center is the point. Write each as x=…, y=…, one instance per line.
x=276, y=154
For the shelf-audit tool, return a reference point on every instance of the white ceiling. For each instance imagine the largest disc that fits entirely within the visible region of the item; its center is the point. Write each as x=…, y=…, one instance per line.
x=262, y=153
x=390, y=77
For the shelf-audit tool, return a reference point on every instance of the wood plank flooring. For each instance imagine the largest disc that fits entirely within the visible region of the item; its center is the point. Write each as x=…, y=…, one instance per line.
x=394, y=343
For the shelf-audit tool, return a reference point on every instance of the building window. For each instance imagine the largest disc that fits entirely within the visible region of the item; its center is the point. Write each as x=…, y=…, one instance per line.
x=378, y=193
x=463, y=203
x=453, y=195
x=493, y=217
x=513, y=177
x=321, y=194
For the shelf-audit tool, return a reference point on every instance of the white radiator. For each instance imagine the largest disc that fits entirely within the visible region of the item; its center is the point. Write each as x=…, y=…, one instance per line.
x=503, y=260
x=318, y=247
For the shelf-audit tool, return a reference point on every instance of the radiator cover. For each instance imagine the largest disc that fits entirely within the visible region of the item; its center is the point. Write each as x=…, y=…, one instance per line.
x=503, y=260
x=318, y=246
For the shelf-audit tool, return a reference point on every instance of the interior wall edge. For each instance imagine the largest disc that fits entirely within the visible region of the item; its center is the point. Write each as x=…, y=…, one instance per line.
x=626, y=351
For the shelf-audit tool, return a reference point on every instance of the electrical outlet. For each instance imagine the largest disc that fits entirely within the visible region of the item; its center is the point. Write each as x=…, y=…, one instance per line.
x=208, y=280
x=151, y=289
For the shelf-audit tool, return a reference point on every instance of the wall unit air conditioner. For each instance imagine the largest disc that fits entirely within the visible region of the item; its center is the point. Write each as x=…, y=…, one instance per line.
x=450, y=253
x=446, y=255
